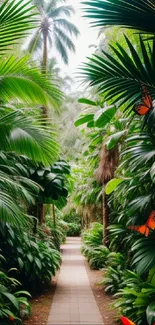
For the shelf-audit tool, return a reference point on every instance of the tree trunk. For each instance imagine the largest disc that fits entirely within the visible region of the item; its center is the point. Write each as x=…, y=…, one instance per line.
x=41, y=213
x=54, y=216
x=33, y=211
x=44, y=52
x=44, y=69
x=106, y=220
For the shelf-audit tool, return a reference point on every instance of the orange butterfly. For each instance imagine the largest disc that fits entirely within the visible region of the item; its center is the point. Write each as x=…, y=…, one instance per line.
x=145, y=229
x=146, y=105
x=126, y=321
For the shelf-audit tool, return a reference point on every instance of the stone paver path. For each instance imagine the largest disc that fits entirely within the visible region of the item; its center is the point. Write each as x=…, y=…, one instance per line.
x=73, y=302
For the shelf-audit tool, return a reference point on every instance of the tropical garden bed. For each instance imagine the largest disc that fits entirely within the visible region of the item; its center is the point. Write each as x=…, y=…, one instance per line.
x=84, y=161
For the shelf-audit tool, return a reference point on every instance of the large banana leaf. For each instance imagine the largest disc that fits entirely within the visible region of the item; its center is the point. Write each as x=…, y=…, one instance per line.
x=135, y=14
x=119, y=75
x=17, y=17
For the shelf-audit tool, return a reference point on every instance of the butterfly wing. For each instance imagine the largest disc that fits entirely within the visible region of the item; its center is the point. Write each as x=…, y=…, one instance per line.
x=146, y=97
x=144, y=230
x=151, y=221
x=126, y=321
x=141, y=109
x=146, y=105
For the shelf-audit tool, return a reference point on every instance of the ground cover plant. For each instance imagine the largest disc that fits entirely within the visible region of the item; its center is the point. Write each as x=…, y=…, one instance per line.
x=14, y=304
x=36, y=260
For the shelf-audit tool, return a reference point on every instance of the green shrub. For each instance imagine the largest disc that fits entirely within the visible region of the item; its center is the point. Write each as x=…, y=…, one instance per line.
x=72, y=217
x=113, y=278
x=137, y=299
x=96, y=256
x=94, y=235
x=13, y=304
x=58, y=232
x=114, y=272
x=73, y=222
x=92, y=248
x=73, y=229
x=35, y=259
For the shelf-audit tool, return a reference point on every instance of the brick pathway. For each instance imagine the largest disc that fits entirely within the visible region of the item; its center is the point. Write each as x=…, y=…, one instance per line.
x=73, y=302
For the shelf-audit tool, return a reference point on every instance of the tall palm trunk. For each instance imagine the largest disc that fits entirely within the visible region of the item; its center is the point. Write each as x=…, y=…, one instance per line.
x=45, y=52
x=41, y=210
x=54, y=215
x=41, y=213
x=106, y=221
x=105, y=172
x=44, y=65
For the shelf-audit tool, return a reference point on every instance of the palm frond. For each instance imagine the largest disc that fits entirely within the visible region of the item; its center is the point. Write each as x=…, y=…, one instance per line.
x=68, y=26
x=119, y=75
x=27, y=84
x=62, y=10
x=133, y=14
x=16, y=19
x=35, y=42
x=61, y=49
x=27, y=137
x=9, y=210
x=65, y=39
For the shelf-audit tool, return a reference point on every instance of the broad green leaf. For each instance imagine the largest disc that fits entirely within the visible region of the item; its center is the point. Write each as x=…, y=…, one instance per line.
x=114, y=139
x=87, y=101
x=104, y=116
x=150, y=313
x=112, y=185
x=22, y=292
x=152, y=173
x=37, y=261
x=84, y=119
x=21, y=263
x=12, y=299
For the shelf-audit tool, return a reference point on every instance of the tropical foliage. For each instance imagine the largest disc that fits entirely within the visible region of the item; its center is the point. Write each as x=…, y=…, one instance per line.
x=117, y=76
x=55, y=30
x=29, y=145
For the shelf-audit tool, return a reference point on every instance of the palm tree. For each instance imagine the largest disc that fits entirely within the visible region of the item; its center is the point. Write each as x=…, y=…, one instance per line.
x=55, y=30
x=21, y=135
x=104, y=173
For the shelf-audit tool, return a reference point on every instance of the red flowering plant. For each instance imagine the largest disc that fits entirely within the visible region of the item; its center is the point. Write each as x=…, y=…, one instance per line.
x=127, y=321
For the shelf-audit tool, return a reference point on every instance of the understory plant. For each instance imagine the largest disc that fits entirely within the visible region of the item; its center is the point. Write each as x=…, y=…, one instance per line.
x=57, y=232
x=36, y=259
x=14, y=304
x=73, y=222
x=92, y=246
x=114, y=272
x=73, y=229
x=136, y=299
